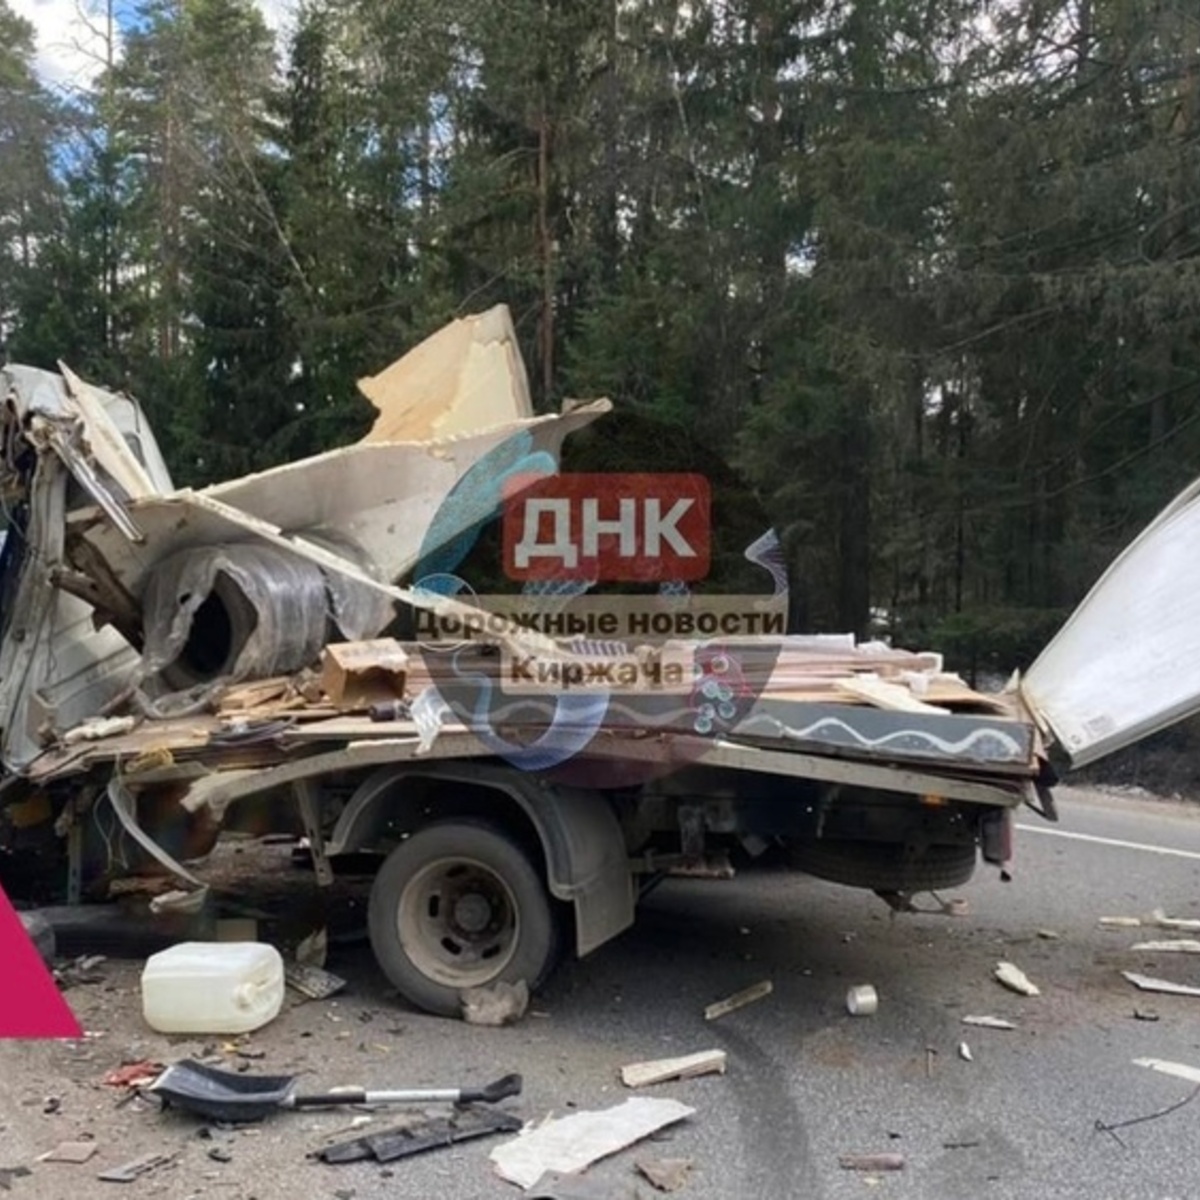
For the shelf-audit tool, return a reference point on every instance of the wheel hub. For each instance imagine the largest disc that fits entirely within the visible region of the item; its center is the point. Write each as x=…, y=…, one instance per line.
x=472, y=912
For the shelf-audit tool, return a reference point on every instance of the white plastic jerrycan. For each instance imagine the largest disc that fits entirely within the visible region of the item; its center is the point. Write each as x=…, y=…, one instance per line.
x=212, y=987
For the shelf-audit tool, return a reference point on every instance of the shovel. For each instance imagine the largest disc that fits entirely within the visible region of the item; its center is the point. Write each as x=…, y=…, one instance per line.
x=226, y=1096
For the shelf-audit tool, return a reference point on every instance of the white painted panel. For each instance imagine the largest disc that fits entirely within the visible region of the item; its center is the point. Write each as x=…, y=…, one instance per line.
x=1127, y=662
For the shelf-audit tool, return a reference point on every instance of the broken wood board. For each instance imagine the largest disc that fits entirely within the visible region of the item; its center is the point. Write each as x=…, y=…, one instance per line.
x=687, y=1066
x=573, y=1143
x=988, y=1022
x=468, y=375
x=739, y=1000
x=895, y=697
x=1170, y=946
x=1161, y=919
x=1163, y=1066
x=1147, y=983
x=1015, y=980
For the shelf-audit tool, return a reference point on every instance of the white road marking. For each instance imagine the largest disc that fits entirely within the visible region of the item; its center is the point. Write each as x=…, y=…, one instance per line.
x=1103, y=841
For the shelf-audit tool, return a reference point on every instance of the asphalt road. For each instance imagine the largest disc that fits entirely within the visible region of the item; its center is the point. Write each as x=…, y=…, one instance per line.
x=806, y=1082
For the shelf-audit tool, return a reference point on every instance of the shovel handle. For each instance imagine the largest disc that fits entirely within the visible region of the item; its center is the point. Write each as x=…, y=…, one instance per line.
x=509, y=1085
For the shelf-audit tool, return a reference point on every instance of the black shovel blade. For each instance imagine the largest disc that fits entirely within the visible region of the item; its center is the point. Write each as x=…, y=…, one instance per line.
x=221, y=1095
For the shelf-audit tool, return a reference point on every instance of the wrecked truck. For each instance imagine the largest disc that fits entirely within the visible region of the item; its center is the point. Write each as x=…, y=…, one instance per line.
x=171, y=658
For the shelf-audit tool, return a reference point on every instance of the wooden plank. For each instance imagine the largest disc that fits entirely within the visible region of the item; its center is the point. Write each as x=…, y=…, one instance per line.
x=739, y=1000
x=703, y=1062
x=878, y=692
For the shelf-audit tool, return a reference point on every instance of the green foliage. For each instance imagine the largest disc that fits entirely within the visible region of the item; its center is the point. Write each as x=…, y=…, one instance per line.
x=927, y=274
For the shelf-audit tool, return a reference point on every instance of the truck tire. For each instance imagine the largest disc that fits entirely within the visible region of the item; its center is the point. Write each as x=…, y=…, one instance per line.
x=457, y=905
x=883, y=866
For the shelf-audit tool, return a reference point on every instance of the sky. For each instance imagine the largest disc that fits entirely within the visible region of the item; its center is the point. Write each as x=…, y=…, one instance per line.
x=71, y=35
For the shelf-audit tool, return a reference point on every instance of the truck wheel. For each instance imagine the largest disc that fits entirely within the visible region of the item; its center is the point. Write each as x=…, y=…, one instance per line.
x=885, y=867
x=460, y=905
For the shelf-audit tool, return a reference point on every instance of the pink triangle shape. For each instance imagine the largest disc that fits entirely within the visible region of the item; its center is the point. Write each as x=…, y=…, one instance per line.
x=31, y=1005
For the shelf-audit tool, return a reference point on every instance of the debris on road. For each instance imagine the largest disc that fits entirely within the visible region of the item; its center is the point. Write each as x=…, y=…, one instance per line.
x=499, y=1004
x=8, y=1174
x=69, y=1152
x=134, y=1075
x=1147, y=983
x=687, y=1066
x=136, y=1168
x=988, y=1022
x=862, y=1001
x=1164, y=922
x=665, y=1174
x=1015, y=980
x=964, y=1052
x=871, y=1162
x=431, y=1134
x=1120, y=922
x=1048, y=935
x=1145, y=1014
x=1170, y=946
x=572, y=1143
x=739, y=1000
x=313, y=982
x=1165, y=1067
x=1110, y=1127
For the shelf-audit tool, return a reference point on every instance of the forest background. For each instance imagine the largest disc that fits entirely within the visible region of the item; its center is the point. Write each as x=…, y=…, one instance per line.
x=926, y=272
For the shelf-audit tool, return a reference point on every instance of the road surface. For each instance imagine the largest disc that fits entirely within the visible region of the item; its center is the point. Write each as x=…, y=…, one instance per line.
x=806, y=1082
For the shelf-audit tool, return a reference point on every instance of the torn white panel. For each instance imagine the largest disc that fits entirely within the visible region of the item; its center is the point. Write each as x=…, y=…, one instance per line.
x=1127, y=662
x=383, y=498
x=575, y=1142
x=105, y=440
x=467, y=376
x=1147, y=983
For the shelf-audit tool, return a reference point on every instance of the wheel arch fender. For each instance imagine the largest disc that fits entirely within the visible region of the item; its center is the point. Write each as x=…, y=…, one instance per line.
x=586, y=862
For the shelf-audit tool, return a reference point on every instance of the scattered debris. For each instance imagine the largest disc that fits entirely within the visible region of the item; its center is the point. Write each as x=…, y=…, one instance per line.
x=967, y=1144
x=431, y=1134
x=1048, y=935
x=666, y=1174
x=219, y=1154
x=8, y=1174
x=1148, y=983
x=987, y=1022
x=871, y=1162
x=1145, y=1014
x=930, y=1055
x=133, y=1075
x=739, y=1000
x=703, y=1062
x=1161, y=919
x=1110, y=1127
x=862, y=1001
x=97, y=728
x=1178, y=1070
x=1171, y=946
x=1015, y=980
x=134, y=1169
x=964, y=1052
x=1120, y=922
x=499, y=1004
x=313, y=982
x=575, y=1142
x=69, y=1152
x=51, y=1105
x=312, y=950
